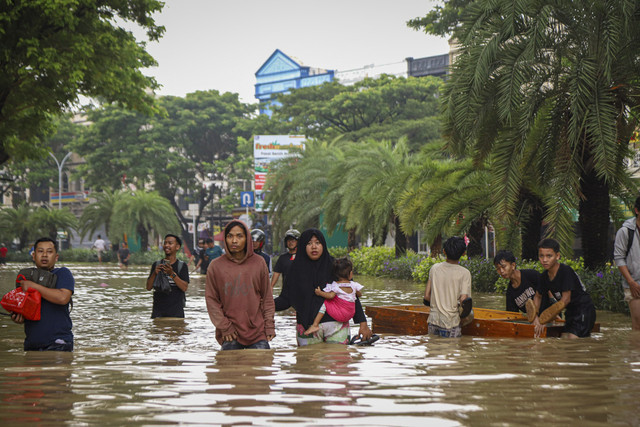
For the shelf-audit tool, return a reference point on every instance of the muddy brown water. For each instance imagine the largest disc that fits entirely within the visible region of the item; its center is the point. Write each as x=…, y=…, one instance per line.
x=128, y=369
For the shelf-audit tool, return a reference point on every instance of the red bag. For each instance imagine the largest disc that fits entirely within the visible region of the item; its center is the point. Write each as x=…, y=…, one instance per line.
x=21, y=302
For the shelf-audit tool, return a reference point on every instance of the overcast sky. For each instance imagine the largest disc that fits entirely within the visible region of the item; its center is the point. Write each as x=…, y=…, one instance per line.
x=220, y=44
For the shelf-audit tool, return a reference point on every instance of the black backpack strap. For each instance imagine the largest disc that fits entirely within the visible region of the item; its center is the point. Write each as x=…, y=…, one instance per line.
x=631, y=232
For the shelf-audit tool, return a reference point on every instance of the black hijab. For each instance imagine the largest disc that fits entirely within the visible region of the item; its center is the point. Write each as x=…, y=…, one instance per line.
x=304, y=276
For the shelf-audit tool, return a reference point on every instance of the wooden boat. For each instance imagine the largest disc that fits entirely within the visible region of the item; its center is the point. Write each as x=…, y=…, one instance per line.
x=412, y=320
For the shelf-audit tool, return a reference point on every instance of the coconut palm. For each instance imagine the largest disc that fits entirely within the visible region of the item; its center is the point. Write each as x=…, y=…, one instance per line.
x=143, y=212
x=46, y=222
x=100, y=213
x=14, y=223
x=296, y=185
x=547, y=89
x=365, y=187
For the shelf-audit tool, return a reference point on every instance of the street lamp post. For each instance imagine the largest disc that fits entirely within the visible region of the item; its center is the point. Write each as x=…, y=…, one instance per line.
x=60, y=166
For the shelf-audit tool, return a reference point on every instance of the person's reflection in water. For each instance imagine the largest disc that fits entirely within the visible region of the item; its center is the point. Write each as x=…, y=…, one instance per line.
x=40, y=390
x=169, y=329
x=331, y=371
x=243, y=379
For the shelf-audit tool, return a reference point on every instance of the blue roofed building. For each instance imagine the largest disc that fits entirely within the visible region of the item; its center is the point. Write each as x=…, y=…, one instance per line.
x=281, y=73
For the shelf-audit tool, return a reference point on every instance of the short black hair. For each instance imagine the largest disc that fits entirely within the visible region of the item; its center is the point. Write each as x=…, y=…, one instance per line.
x=504, y=255
x=549, y=244
x=342, y=267
x=637, y=203
x=45, y=239
x=208, y=240
x=179, y=240
x=454, y=248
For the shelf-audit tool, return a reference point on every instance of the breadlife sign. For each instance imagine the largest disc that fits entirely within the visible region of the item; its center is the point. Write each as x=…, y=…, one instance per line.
x=268, y=149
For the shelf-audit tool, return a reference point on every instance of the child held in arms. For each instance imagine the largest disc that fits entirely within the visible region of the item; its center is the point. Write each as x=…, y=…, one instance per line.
x=342, y=308
x=448, y=292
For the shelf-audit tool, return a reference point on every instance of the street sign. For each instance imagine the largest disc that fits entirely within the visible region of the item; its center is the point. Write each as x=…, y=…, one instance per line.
x=246, y=199
x=194, y=208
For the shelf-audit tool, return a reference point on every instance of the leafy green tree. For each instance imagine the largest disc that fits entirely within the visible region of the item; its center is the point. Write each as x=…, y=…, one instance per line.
x=202, y=135
x=46, y=222
x=118, y=149
x=143, y=212
x=443, y=19
x=550, y=85
x=54, y=51
x=196, y=142
x=34, y=174
x=14, y=223
x=386, y=108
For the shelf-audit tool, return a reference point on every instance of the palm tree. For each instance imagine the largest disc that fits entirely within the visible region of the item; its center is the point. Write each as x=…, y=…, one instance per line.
x=296, y=185
x=143, y=212
x=364, y=189
x=14, y=222
x=548, y=88
x=100, y=213
x=47, y=222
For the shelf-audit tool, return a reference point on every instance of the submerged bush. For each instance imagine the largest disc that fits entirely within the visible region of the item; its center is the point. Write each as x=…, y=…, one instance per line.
x=370, y=261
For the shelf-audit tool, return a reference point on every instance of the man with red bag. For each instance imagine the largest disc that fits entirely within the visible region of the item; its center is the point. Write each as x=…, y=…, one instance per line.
x=53, y=331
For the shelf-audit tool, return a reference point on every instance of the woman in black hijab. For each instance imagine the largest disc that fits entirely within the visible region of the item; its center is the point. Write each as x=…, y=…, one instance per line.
x=313, y=268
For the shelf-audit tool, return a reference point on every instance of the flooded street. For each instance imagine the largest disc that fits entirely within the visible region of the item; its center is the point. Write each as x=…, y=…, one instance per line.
x=128, y=369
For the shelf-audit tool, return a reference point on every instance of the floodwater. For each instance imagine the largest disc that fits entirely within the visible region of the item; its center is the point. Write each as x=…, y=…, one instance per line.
x=128, y=369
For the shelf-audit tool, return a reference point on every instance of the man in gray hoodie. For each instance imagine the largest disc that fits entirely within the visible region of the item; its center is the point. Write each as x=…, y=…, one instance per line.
x=626, y=254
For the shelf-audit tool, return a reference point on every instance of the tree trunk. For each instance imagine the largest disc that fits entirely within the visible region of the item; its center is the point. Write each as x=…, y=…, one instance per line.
x=144, y=238
x=475, y=234
x=531, y=231
x=401, y=240
x=435, y=249
x=594, y=219
x=351, y=239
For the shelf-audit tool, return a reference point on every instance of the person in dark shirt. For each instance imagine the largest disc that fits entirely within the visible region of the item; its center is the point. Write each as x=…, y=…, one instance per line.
x=258, y=237
x=566, y=287
x=523, y=284
x=123, y=256
x=170, y=304
x=283, y=264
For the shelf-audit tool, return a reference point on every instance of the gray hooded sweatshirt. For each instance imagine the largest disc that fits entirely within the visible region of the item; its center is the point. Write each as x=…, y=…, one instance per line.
x=632, y=261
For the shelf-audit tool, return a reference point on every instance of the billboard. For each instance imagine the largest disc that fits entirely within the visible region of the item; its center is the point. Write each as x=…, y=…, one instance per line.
x=267, y=149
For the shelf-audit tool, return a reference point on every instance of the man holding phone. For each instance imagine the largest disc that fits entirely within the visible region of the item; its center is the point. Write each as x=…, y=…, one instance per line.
x=170, y=304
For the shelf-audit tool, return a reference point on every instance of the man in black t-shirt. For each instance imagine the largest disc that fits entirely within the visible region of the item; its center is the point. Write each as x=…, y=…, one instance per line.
x=523, y=284
x=565, y=285
x=283, y=264
x=170, y=304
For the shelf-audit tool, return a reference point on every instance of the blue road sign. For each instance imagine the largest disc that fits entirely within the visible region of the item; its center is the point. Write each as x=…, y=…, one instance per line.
x=246, y=199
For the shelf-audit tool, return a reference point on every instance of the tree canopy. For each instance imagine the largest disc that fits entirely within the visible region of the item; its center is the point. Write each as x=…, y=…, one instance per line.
x=547, y=92
x=384, y=108
x=52, y=52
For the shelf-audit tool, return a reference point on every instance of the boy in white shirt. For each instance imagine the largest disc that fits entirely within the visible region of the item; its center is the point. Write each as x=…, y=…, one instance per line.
x=449, y=287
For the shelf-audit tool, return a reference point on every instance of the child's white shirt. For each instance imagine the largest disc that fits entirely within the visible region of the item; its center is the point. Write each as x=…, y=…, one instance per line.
x=335, y=287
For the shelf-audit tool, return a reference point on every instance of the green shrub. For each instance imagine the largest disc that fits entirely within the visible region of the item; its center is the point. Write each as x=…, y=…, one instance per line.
x=339, y=252
x=401, y=268
x=19, y=256
x=421, y=271
x=86, y=255
x=483, y=274
x=369, y=261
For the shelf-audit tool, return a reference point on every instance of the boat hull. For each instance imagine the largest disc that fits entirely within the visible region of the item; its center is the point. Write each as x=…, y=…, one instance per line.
x=412, y=320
